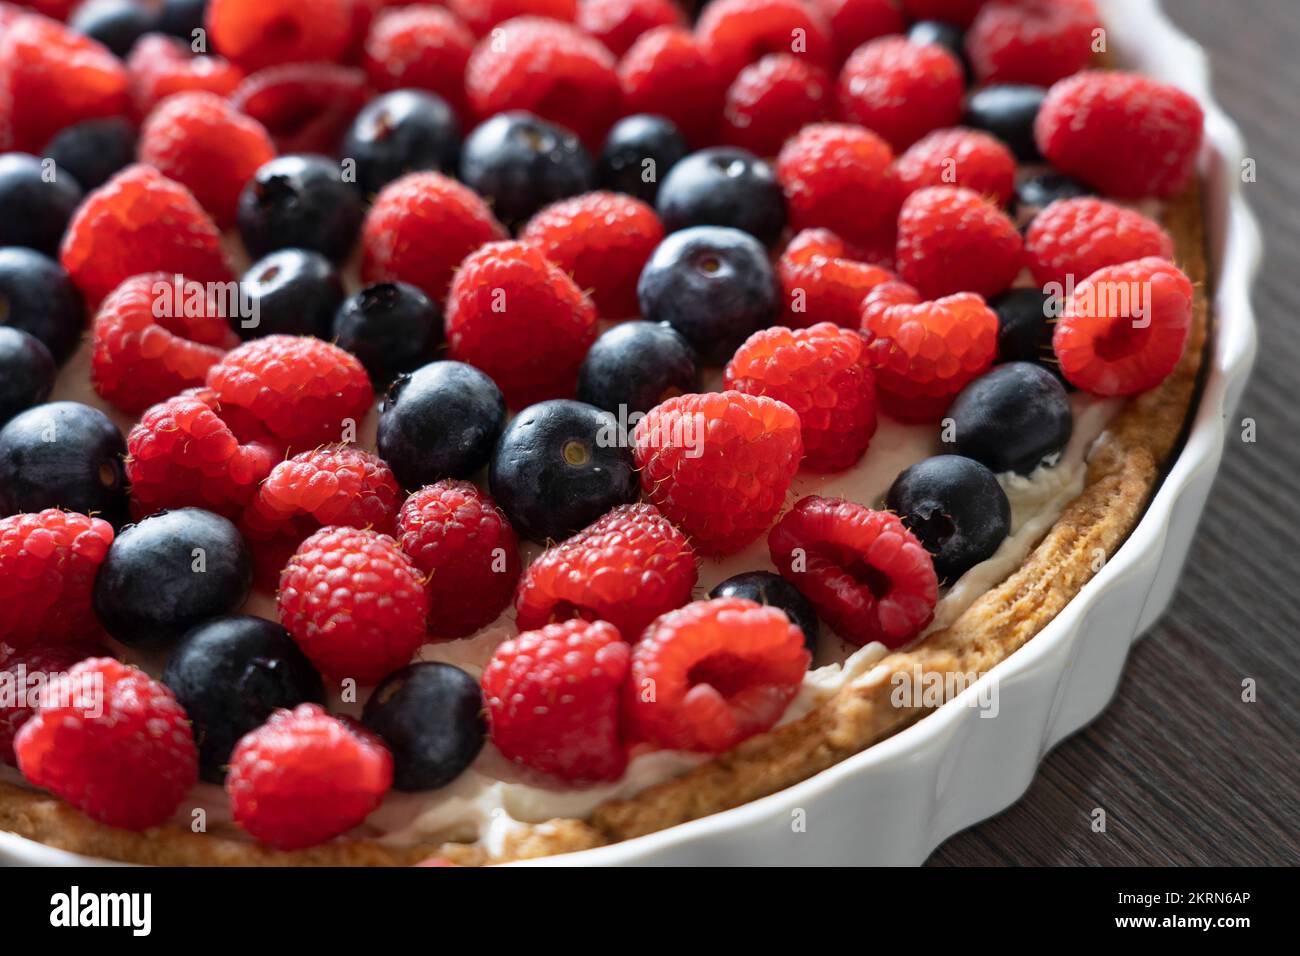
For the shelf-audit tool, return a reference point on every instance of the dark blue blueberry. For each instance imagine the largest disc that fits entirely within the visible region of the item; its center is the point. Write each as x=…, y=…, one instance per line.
x=939, y=33
x=723, y=187
x=441, y=421
x=27, y=372
x=774, y=591
x=63, y=455
x=431, y=717
x=289, y=292
x=94, y=151
x=639, y=151
x=956, y=509
x=180, y=18
x=1008, y=111
x=229, y=674
x=1038, y=192
x=37, y=296
x=300, y=202
x=1013, y=418
x=713, y=285
x=392, y=327
x=401, y=132
x=115, y=23
x=559, y=466
x=169, y=573
x=520, y=163
x=36, y=202
x=635, y=366
x=1025, y=328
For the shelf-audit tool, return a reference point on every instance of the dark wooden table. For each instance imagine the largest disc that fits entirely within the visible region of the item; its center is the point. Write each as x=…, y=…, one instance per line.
x=1189, y=774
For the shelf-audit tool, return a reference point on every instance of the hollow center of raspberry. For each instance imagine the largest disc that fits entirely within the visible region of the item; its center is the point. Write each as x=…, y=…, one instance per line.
x=282, y=31
x=576, y=453
x=1120, y=340
x=726, y=673
x=567, y=611
x=871, y=577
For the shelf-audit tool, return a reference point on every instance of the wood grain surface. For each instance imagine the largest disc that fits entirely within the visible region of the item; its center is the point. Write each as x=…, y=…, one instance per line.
x=1188, y=773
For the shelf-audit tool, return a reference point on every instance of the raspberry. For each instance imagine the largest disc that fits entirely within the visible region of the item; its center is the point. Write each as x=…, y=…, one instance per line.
x=553, y=700
x=822, y=373
x=901, y=90
x=773, y=99
x=517, y=316
x=957, y=12
x=23, y=671
x=140, y=221
x=666, y=73
x=839, y=177
x=203, y=143
x=618, y=23
x=1031, y=41
x=721, y=671
x=160, y=66
x=112, y=742
x=306, y=107
x=854, y=22
x=1123, y=330
x=959, y=157
x=48, y=562
x=300, y=389
x=864, y=572
x=354, y=603
x=261, y=33
x=951, y=240
x=627, y=568
x=548, y=68
x=601, y=239
x=149, y=343
x=823, y=282
x=718, y=465
x=482, y=15
x=735, y=33
x=924, y=353
x=421, y=47
x=1124, y=134
x=420, y=228
x=304, y=777
x=1079, y=236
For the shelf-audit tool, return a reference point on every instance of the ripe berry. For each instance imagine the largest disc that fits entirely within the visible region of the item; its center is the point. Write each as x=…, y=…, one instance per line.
x=771, y=100
x=943, y=34
x=160, y=66
x=639, y=150
x=306, y=107
x=260, y=33
x=22, y=669
x=951, y=240
x=822, y=281
x=1025, y=326
x=300, y=202
x=27, y=372
x=635, y=366
x=901, y=90
x=854, y=22
x=1013, y=418
x=1008, y=111
x=94, y=151
x=180, y=18
x=959, y=157
x=401, y=132
x=957, y=12
x=735, y=33
x=619, y=23
x=420, y=48
x=34, y=210
x=772, y=590
x=482, y=15
x=392, y=327
x=117, y=24
x=1076, y=237
x=666, y=73
x=723, y=187
x=289, y=292
x=1032, y=41
x=1036, y=193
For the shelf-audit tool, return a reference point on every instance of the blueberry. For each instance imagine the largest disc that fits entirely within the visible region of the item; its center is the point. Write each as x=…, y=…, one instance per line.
x=724, y=186
x=631, y=142
x=939, y=33
x=300, y=202
x=180, y=18
x=635, y=366
x=392, y=327
x=774, y=591
x=1025, y=328
x=400, y=132
x=94, y=151
x=169, y=573
x=289, y=292
x=431, y=717
x=27, y=372
x=63, y=455
x=1012, y=418
x=37, y=296
x=956, y=509
x=713, y=285
x=441, y=421
x=559, y=466
x=1039, y=192
x=35, y=203
x=115, y=23
x=520, y=163
x=230, y=673
x=1008, y=111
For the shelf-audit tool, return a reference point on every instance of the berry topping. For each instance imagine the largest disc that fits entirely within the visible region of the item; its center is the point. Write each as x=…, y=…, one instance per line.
x=635, y=366
x=401, y=132
x=1036, y=193
x=941, y=33
x=37, y=296
x=419, y=48
x=618, y=23
x=771, y=100
x=1008, y=111
x=482, y=15
x=392, y=327
x=34, y=207
x=160, y=66
x=1013, y=418
x=735, y=33
x=666, y=73
x=638, y=151
x=27, y=372
x=723, y=187
x=306, y=107
x=258, y=33
x=901, y=90
x=1026, y=320
x=959, y=157
x=94, y=151
x=1032, y=41
x=957, y=12
x=289, y=292
x=117, y=24
x=1076, y=237
x=26, y=670
x=854, y=22
x=952, y=240
x=772, y=590
x=823, y=282
x=300, y=202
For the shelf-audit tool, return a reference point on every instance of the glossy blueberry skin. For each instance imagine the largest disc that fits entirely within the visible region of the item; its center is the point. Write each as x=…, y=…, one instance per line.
x=400, y=132
x=635, y=366
x=559, y=466
x=632, y=141
x=153, y=585
x=1025, y=318
x=80, y=469
x=1013, y=417
x=230, y=673
x=431, y=717
x=300, y=202
x=180, y=18
x=94, y=151
x=520, y=163
x=34, y=213
x=714, y=285
x=27, y=372
x=1008, y=111
x=946, y=35
x=115, y=23
x=773, y=590
x=37, y=296
x=392, y=327
x=441, y=421
x=290, y=292
x=723, y=186
x=1038, y=192
x=956, y=509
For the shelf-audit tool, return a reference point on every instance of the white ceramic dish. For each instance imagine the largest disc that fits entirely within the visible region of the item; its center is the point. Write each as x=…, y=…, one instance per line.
x=895, y=802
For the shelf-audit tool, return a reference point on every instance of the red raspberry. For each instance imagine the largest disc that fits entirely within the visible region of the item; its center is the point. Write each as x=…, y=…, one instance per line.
x=148, y=344
x=951, y=240
x=709, y=675
x=824, y=282
x=464, y=544
x=666, y=73
x=822, y=373
x=968, y=158
x=300, y=389
x=957, y=12
x=773, y=99
x=259, y=33
x=553, y=700
x=420, y=228
x=54, y=9
x=517, y=316
x=718, y=465
x=304, y=777
x=1125, y=134
x=140, y=221
x=48, y=562
x=548, y=68
x=1031, y=41
x=735, y=33
x=924, y=353
x=22, y=672
x=354, y=603
x=901, y=90
x=839, y=177
x=482, y=15
x=112, y=742
x=618, y=23
x=1076, y=237
x=601, y=239
x=420, y=47
x=864, y=572
x=1123, y=330
x=854, y=22
x=160, y=66
x=306, y=107
x=627, y=568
